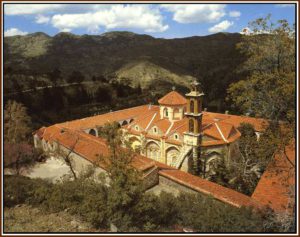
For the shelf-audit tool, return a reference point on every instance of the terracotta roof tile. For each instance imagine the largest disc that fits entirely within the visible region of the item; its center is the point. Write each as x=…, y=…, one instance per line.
x=143, y=119
x=88, y=146
x=235, y=120
x=98, y=120
x=206, y=187
x=162, y=124
x=172, y=98
x=275, y=185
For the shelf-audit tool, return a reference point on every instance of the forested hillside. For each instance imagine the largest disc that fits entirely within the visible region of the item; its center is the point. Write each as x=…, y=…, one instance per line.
x=92, y=72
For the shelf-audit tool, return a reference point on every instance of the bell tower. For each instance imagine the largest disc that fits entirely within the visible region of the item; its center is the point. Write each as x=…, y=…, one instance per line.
x=192, y=137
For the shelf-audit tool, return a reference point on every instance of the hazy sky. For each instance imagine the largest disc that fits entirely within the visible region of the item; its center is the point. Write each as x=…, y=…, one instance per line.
x=158, y=20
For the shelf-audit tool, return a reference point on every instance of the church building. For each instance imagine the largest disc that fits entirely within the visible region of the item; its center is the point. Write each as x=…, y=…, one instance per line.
x=176, y=132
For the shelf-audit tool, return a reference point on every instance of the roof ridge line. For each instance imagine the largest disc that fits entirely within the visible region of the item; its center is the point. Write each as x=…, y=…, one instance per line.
x=178, y=127
x=103, y=114
x=172, y=123
x=150, y=121
x=222, y=135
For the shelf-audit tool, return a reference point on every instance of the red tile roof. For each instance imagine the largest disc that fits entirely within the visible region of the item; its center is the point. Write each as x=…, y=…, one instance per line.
x=98, y=120
x=87, y=146
x=275, y=186
x=209, y=188
x=214, y=124
x=270, y=191
x=235, y=120
x=172, y=98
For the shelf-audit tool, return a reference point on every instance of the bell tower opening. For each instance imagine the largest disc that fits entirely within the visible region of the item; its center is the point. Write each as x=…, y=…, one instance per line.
x=192, y=106
x=191, y=125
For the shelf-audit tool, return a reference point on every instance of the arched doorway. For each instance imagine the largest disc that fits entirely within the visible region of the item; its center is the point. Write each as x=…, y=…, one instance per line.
x=213, y=160
x=153, y=151
x=172, y=155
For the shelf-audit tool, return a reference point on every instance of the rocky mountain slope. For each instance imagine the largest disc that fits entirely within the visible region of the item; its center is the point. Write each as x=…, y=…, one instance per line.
x=211, y=59
x=69, y=76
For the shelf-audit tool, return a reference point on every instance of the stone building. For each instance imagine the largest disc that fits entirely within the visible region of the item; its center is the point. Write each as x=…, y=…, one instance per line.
x=170, y=139
x=176, y=132
x=179, y=134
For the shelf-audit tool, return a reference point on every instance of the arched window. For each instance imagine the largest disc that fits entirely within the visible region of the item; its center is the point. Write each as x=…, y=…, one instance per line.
x=165, y=112
x=176, y=113
x=172, y=154
x=124, y=123
x=155, y=130
x=199, y=106
x=192, y=106
x=191, y=125
x=153, y=151
x=92, y=132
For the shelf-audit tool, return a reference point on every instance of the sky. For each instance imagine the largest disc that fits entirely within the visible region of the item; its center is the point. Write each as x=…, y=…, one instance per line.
x=158, y=20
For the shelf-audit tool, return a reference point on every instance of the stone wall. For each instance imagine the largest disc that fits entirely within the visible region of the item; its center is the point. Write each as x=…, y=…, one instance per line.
x=174, y=185
x=80, y=164
x=151, y=178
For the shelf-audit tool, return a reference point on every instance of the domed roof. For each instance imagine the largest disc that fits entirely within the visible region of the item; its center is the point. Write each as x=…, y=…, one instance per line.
x=172, y=98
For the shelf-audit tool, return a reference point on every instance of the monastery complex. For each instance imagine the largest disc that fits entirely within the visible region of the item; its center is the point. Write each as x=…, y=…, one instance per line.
x=173, y=141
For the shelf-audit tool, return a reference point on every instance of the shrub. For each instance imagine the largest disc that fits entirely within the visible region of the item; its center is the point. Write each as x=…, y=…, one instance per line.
x=19, y=189
x=90, y=200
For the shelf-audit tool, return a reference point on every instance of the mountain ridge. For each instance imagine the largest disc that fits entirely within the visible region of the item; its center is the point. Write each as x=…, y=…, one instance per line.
x=211, y=59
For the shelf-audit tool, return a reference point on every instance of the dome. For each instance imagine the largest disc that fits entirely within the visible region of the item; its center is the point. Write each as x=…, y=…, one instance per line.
x=172, y=98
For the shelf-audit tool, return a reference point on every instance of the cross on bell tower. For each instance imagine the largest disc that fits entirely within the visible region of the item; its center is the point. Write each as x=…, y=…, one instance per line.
x=192, y=137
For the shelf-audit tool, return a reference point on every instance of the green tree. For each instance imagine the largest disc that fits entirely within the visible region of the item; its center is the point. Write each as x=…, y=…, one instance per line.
x=126, y=189
x=269, y=89
x=55, y=76
x=75, y=77
x=17, y=127
x=16, y=122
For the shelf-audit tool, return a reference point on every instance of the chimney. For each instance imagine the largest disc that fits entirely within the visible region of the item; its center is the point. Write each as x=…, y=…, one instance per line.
x=205, y=109
x=226, y=111
x=150, y=106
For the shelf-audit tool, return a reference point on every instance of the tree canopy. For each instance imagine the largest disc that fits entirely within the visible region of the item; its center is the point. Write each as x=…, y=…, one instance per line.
x=268, y=90
x=16, y=122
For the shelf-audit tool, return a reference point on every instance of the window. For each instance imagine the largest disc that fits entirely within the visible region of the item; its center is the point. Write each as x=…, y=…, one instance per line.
x=191, y=125
x=136, y=128
x=176, y=136
x=192, y=106
x=92, y=132
x=199, y=106
x=176, y=113
x=165, y=112
x=155, y=130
